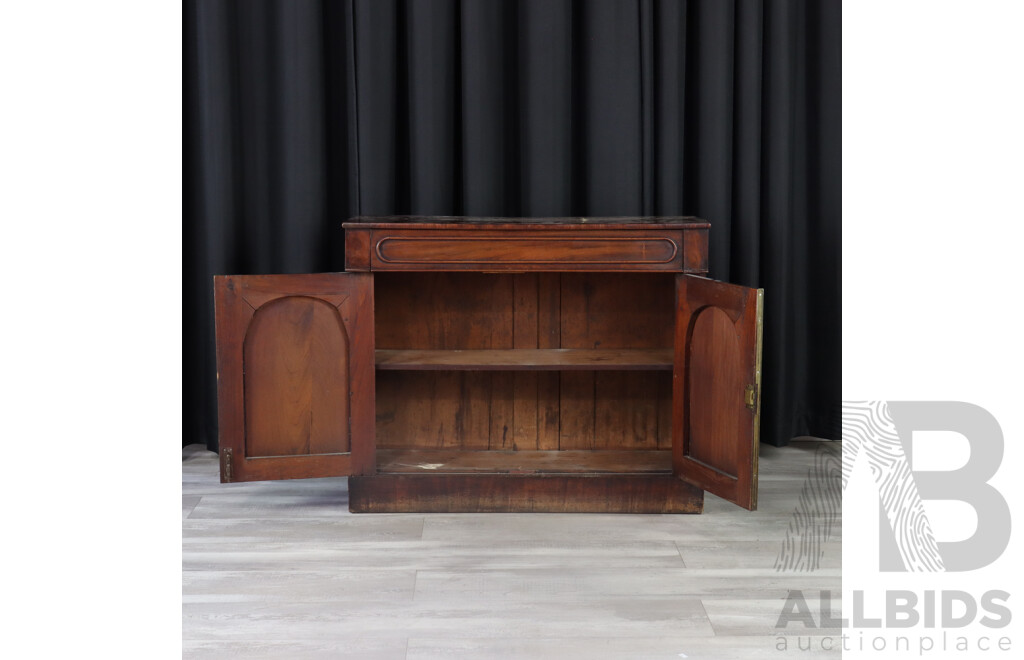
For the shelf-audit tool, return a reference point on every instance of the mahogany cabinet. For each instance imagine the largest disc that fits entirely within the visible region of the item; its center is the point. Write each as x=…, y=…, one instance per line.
x=498, y=364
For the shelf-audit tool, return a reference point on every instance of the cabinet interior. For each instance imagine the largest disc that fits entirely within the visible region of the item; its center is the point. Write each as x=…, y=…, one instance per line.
x=524, y=372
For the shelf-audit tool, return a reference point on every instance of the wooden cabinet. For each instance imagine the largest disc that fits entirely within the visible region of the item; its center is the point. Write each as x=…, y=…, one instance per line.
x=494, y=364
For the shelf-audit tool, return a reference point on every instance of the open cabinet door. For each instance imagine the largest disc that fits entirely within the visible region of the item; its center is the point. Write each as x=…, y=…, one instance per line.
x=295, y=375
x=716, y=387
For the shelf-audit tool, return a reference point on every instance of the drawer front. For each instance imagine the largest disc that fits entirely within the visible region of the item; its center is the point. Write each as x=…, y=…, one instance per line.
x=526, y=250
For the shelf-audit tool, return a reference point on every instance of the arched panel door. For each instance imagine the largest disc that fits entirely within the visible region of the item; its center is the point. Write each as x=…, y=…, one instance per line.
x=295, y=375
x=716, y=387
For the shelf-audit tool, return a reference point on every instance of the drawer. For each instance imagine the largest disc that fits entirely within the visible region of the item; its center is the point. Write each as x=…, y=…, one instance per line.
x=520, y=250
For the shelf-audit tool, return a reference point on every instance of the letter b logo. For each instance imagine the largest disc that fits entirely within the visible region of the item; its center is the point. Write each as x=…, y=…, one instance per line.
x=883, y=432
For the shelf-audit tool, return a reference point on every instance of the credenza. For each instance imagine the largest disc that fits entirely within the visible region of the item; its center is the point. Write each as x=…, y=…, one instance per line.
x=498, y=364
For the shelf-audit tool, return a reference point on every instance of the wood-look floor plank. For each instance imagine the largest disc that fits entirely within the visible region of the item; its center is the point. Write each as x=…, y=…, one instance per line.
x=760, y=616
x=423, y=555
x=320, y=531
x=638, y=527
x=669, y=647
x=354, y=648
x=628, y=616
x=729, y=553
x=281, y=586
x=189, y=502
x=552, y=584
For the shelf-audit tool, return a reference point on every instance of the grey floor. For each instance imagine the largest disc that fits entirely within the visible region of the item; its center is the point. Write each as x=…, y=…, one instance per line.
x=283, y=570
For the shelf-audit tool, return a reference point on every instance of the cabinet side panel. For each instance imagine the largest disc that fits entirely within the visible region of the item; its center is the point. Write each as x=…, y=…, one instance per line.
x=695, y=251
x=357, y=249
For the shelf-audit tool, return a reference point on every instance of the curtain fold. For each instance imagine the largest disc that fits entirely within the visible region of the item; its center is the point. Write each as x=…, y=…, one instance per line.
x=303, y=113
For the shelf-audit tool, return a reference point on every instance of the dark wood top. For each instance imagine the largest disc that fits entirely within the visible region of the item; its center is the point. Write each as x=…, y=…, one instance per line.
x=487, y=222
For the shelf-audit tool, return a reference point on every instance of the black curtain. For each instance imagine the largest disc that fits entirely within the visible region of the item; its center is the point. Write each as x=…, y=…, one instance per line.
x=302, y=113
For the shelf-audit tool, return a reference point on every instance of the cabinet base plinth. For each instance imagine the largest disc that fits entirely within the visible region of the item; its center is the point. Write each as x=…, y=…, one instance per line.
x=461, y=493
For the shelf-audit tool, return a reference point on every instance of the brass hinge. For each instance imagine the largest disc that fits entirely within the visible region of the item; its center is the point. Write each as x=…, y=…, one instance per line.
x=225, y=465
x=750, y=397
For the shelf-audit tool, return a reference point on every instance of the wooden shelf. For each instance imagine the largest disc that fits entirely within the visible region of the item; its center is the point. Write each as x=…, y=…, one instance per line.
x=527, y=359
x=456, y=461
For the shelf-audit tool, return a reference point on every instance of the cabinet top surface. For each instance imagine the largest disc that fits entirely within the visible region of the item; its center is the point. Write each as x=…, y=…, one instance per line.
x=491, y=222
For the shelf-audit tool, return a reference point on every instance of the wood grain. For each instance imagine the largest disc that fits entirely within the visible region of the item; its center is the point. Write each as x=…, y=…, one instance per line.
x=626, y=414
x=295, y=375
x=522, y=250
x=434, y=409
x=442, y=493
x=524, y=338
x=444, y=311
x=548, y=359
x=548, y=337
x=426, y=461
x=577, y=410
x=296, y=379
x=622, y=311
x=695, y=252
x=519, y=323
x=357, y=250
x=715, y=433
x=717, y=377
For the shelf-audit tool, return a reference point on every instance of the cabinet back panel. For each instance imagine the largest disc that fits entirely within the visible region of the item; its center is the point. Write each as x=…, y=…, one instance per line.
x=617, y=310
x=443, y=310
x=524, y=310
x=480, y=410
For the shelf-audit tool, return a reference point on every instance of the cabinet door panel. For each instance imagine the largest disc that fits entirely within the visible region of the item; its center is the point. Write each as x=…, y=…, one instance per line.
x=295, y=375
x=716, y=387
